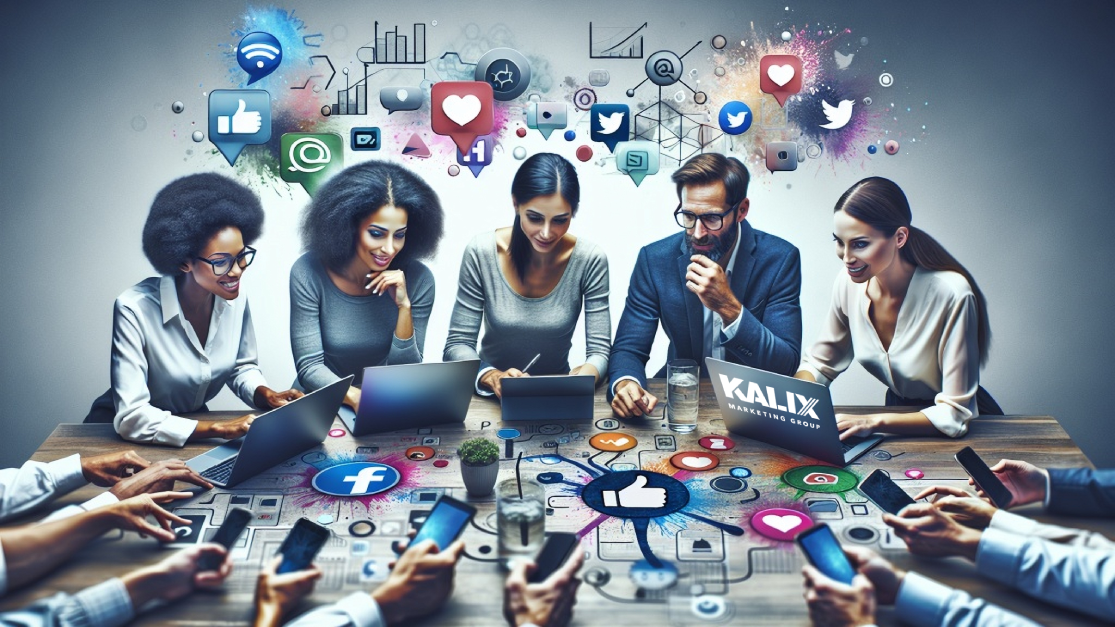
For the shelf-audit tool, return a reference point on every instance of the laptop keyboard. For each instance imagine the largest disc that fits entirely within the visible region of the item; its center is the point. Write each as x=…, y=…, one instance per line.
x=221, y=472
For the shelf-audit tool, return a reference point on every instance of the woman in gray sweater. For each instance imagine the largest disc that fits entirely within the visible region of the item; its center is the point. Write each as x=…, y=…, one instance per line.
x=359, y=297
x=526, y=284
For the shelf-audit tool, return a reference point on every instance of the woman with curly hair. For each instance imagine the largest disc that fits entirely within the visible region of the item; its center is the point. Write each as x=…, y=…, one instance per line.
x=179, y=337
x=359, y=297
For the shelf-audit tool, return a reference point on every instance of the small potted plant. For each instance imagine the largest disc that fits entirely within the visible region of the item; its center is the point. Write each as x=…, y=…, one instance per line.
x=479, y=465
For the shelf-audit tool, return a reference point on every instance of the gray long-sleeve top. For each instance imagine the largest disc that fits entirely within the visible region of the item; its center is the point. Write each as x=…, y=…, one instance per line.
x=334, y=334
x=516, y=328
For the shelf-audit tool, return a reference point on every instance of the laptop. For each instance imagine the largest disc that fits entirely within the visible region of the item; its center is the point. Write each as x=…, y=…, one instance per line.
x=783, y=411
x=273, y=437
x=554, y=397
x=411, y=396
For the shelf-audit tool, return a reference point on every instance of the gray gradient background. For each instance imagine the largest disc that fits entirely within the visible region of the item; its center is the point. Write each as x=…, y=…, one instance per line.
x=1014, y=179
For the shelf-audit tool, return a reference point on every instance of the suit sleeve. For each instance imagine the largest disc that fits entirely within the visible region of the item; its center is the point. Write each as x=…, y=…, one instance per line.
x=637, y=327
x=773, y=343
x=1081, y=492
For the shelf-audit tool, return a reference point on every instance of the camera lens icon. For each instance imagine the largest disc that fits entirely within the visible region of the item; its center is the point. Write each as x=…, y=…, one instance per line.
x=664, y=68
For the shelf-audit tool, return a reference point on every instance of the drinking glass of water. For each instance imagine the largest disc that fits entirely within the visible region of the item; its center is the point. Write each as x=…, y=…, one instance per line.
x=682, y=376
x=521, y=519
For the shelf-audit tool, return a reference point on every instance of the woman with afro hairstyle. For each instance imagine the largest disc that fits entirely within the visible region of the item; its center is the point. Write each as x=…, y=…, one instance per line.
x=179, y=337
x=359, y=297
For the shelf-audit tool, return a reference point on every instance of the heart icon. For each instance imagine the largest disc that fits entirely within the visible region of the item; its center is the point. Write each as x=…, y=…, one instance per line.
x=461, y=110
x=782, y=523
x=696, y=462
x=781, y=74
x=401, y=95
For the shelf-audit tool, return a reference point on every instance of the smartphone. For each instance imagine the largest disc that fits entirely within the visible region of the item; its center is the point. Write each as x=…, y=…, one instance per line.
x=884, y=492
x=301, y=546
x=984, y=478
x=824, y=552
x=235, y=521
x=559, y=546
x=445, y=522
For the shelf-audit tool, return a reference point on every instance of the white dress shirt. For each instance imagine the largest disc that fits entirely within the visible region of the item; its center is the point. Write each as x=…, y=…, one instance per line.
x=358, y=609
x=106, y=604
x=934, y=353
x=160, y=368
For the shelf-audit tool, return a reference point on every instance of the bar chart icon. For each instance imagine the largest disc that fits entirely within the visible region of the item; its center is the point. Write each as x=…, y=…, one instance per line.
x=398, y=48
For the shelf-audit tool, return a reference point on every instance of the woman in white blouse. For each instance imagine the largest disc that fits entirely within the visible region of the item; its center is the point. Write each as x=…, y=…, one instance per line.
x=179, y=337
x=909, y=313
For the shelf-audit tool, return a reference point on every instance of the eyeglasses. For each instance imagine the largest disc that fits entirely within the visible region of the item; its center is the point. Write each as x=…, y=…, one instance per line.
x=223, y=263
x=712, y=221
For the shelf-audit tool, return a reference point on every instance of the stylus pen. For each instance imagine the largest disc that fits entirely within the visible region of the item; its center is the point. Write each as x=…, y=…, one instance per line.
x=531, y=363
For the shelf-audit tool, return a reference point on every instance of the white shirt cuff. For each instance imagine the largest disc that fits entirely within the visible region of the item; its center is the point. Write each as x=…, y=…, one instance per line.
x=729, y=332
x=1048, y=489
x=998, y=554
x=1007, y=522
x=947, y=419
x=175, y=430
x=479, y=390
x=817, y=376
x=363, y=609
x=101, y=500
x=107, y=604
x=921, y=601
x=627, y=378
x=66, y=473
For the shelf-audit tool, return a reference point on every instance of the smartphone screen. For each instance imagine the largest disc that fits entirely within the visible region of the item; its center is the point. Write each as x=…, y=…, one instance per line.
x=446, y=521
x=824, y=552
x=885, y=493
x=235, y=521
x=558, y=548
x=984, y=478
x=302, y=545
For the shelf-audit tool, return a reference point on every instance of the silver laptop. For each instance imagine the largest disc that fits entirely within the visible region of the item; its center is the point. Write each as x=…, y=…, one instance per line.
x=273, y=437
x=410, y=396
x=783, y=411
x=554, y=397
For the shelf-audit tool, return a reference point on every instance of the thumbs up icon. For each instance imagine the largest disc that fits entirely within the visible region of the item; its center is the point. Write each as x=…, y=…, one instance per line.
x=636, y=495
x=243, y=122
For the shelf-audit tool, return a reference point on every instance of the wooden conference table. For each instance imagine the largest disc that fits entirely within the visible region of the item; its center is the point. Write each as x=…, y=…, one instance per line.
x=747, y=579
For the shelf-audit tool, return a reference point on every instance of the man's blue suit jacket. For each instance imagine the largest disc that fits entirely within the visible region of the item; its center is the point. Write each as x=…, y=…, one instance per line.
x=766, y=280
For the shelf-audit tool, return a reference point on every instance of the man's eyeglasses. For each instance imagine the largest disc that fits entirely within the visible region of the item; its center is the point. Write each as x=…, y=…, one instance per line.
x=712, y=221
x=222, y=263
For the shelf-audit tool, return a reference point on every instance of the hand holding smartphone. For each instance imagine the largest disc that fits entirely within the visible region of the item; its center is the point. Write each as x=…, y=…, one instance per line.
x=559, y=546
x=236, y=520
x=445, y=522
x=884, y=492
x=823, y=551
x=301, y=546
x=984, y=478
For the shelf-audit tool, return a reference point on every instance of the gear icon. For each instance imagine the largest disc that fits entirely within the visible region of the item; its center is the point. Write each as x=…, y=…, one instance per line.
x=503, y=79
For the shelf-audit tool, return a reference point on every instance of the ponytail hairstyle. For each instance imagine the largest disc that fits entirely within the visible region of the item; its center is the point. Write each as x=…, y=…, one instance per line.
x=543, y=174
x=881, y=203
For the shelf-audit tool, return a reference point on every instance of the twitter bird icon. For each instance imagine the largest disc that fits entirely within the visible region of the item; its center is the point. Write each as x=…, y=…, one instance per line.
x=837, y=116
x=735, y=118
x=610, y=124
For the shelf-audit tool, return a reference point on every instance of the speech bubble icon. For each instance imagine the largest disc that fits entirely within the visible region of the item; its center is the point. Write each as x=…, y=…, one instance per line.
x=461, y=110
x=782, y=156
x=479, y=155
x=259, y=54
x=610, y=124
x=238, y=117
x=637, y=159
x=310, y=158
x=547, y=116
x=780, y=76
x=401, y=98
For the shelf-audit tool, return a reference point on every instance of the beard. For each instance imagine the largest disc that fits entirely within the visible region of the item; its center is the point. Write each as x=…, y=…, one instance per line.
x=721, y=244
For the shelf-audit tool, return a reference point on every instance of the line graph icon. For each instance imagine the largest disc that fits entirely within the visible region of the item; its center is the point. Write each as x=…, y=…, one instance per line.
x=615, y=42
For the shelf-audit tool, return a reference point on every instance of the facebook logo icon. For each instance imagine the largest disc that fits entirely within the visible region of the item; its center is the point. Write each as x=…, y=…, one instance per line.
x=356, y=479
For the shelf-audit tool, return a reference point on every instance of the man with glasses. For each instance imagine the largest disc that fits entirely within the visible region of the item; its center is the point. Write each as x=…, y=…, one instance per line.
x=720, y=289
x=178, y=338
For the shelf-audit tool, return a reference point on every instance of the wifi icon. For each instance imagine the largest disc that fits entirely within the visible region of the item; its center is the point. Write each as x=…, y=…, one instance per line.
x=259, y=54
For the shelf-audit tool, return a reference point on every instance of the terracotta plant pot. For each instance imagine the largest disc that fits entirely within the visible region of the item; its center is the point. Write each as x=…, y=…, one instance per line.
x=480, y=480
